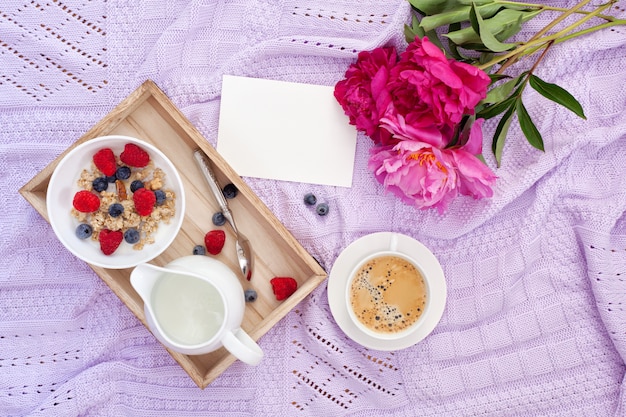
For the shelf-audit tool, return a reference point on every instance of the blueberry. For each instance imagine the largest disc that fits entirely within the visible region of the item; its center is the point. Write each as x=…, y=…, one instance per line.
x=219, y=219
x=83, y=231
x=322, y=209
x=100, y=184
x=310, y=199
x=122, y=173
x=116, y=209
x=131, y=236
x=135, y=185
x=230, y=191
x=111, y=178
x=160, y=197
x=250, y=295
x=199, y=250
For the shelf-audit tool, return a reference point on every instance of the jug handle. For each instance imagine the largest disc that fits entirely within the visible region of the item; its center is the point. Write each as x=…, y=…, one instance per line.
x=242, y=346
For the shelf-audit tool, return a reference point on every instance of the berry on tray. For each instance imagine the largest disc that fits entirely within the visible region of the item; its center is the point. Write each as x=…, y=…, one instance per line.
x=250, y=295
x=214, y=241
x=86, y=201
x=218, y=219
x=104, y=160
x=199, y=250
x=110, y=240
x=144, y=201
x=230, y=191
x=283, y=287
x=134, y=156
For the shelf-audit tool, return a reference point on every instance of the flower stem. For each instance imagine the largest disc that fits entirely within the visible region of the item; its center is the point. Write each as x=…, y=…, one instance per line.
x=538, y=43
x=560, y=19
x=580, y=33
x=544, y=7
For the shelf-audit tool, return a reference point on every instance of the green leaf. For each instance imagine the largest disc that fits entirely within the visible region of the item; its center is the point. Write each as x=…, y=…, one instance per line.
x=496, y=109
x=557, y=94
x=498, y=77
x=432, y=7
x=501, y=92
x=410, y=32
x=499, y=136
x=528, y=127
x=486, y=36
x=510, y=25
x=503, y=25
x=454, y=51
x=473, y=19
x=485, y=57
x=458, y=15
x=432, y=36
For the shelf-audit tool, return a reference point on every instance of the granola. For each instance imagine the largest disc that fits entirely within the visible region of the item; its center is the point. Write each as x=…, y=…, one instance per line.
x=118, y=191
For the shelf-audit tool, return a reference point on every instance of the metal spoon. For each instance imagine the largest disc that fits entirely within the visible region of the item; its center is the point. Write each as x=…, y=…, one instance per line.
x=244, y=252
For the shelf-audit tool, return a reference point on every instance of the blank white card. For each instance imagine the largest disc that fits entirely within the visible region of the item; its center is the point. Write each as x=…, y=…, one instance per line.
x=285, y=131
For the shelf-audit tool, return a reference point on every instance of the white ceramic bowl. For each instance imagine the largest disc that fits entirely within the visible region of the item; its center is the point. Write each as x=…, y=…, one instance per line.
x=63, y=186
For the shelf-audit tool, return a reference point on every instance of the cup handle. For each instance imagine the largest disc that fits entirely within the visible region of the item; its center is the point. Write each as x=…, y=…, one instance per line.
x=242, y=346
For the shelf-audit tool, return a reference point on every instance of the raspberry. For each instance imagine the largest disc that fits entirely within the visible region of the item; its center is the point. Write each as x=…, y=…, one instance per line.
x=104, y=160
x=283, y=287
x=214, y=241
x=110, y=240
x=144, y=201
x=134, y=156
x=86, y=202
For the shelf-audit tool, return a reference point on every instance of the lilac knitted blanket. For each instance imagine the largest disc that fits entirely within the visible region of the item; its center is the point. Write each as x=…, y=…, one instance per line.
x=535, y=323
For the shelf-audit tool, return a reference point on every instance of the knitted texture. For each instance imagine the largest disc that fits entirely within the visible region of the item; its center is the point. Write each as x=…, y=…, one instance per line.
x=534, y=323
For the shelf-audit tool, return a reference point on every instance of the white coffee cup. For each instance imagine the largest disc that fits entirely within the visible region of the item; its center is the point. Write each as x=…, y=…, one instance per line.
x=387, y=295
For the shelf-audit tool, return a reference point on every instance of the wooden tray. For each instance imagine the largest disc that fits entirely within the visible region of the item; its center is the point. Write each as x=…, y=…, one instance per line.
x=149, y=115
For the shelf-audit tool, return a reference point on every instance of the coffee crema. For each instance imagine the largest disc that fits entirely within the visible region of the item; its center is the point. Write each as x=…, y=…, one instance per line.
x=388, y=294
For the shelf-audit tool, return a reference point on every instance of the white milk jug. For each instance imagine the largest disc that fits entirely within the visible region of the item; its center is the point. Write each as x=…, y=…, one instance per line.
x=195, y=305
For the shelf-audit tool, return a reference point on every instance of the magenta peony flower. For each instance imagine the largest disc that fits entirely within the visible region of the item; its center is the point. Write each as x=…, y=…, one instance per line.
x=429, y=90
x=426, y=176
x=364, y=95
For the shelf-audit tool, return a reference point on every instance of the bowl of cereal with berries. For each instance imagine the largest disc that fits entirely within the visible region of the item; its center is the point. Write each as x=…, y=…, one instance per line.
x=115, y=201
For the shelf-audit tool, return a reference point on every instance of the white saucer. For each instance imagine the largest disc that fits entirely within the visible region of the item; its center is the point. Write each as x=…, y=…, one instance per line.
x=367, y=245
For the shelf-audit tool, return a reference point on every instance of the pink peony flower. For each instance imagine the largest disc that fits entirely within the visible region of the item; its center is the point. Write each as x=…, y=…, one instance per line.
x=426, y=176
x=416, y=172
x=364, y=95
x=431, y=91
